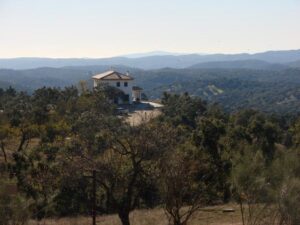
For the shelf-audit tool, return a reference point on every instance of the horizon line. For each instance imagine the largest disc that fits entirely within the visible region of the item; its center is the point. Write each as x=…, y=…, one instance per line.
x=168, y=53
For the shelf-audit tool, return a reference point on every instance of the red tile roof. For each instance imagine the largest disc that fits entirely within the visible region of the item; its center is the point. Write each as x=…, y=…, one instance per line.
x=112, y=75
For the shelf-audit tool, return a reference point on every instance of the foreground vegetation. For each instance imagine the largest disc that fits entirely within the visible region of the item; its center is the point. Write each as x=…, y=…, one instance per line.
x=64, y=154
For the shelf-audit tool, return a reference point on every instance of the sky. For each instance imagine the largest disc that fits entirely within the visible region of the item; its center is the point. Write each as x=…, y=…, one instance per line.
x=105, y=28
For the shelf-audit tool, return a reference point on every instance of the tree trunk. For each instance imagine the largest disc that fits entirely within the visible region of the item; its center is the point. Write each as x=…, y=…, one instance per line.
x=178, y=222
x=4, y=153
x=226, y=194
x=124, y=217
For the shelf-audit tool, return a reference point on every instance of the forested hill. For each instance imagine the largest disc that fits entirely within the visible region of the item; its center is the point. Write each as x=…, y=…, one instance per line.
x=31, y=79
x=243, y=64
x=267, y=90
x=295, y=64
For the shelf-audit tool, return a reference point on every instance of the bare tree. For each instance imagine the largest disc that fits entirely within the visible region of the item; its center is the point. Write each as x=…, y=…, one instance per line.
x=182, y=189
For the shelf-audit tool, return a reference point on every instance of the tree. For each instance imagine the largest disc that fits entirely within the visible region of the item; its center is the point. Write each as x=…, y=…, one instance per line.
x=14, y=207
x=284, y=180
x=257, y=129
x=6, y=134
x=123, y=156
x=208, y=138
x=140, y=153
x=251, y=188
x=11, y=91
x=182, y=109
x=182, y=184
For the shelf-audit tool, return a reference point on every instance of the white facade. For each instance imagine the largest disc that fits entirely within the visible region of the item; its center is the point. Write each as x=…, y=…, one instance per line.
x=122, y=82
x=123, y=85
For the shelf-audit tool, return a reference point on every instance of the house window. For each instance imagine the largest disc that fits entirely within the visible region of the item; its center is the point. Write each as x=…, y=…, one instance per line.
x=118, y=84
x=125, y=84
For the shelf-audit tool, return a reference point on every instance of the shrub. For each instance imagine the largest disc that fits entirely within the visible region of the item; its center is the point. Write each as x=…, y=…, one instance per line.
x=14, y=209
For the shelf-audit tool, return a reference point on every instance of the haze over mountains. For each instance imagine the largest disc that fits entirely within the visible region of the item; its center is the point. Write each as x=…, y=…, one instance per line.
x=152, y=61
x=268, y=81
x=153, y=53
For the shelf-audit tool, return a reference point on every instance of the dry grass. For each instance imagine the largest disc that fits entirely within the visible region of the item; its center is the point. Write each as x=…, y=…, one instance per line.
x=142, y=116
x=207, y=216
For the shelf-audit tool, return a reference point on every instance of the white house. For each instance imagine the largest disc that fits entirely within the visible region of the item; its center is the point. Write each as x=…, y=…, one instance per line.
x=123, y=82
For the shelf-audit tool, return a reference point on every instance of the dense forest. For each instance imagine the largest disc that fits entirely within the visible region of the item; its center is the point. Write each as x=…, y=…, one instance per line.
x=55, y=141
x=272, y=90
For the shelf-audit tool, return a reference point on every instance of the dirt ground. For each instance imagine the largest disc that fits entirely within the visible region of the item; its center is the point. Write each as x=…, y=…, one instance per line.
x=207, y=216
x=142, y=112
x=142, y=116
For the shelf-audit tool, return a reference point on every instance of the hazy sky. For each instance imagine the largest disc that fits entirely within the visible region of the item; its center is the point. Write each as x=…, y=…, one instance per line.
x=102, y=28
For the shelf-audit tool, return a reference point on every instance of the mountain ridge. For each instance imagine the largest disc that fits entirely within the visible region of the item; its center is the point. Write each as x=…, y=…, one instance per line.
x=150, y=62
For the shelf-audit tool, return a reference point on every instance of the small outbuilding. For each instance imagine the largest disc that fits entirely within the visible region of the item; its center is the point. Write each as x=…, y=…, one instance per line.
x=137, y=93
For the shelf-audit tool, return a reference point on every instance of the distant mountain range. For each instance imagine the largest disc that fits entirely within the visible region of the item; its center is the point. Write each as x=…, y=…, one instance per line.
x=158, y=60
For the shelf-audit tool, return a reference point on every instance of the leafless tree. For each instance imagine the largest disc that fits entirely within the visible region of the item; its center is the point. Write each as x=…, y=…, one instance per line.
x=183, y=191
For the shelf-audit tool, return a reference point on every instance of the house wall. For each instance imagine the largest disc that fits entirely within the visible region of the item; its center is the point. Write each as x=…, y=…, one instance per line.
x=113, y=83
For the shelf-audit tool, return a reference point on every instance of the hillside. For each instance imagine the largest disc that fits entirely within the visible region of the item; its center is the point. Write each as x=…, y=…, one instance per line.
x=31, y=79
x=241, y=64
x=266, y=90
x=295, y=64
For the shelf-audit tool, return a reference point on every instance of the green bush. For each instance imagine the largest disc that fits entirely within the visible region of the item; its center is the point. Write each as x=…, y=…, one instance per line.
x=289, y=202
x=14, y=208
